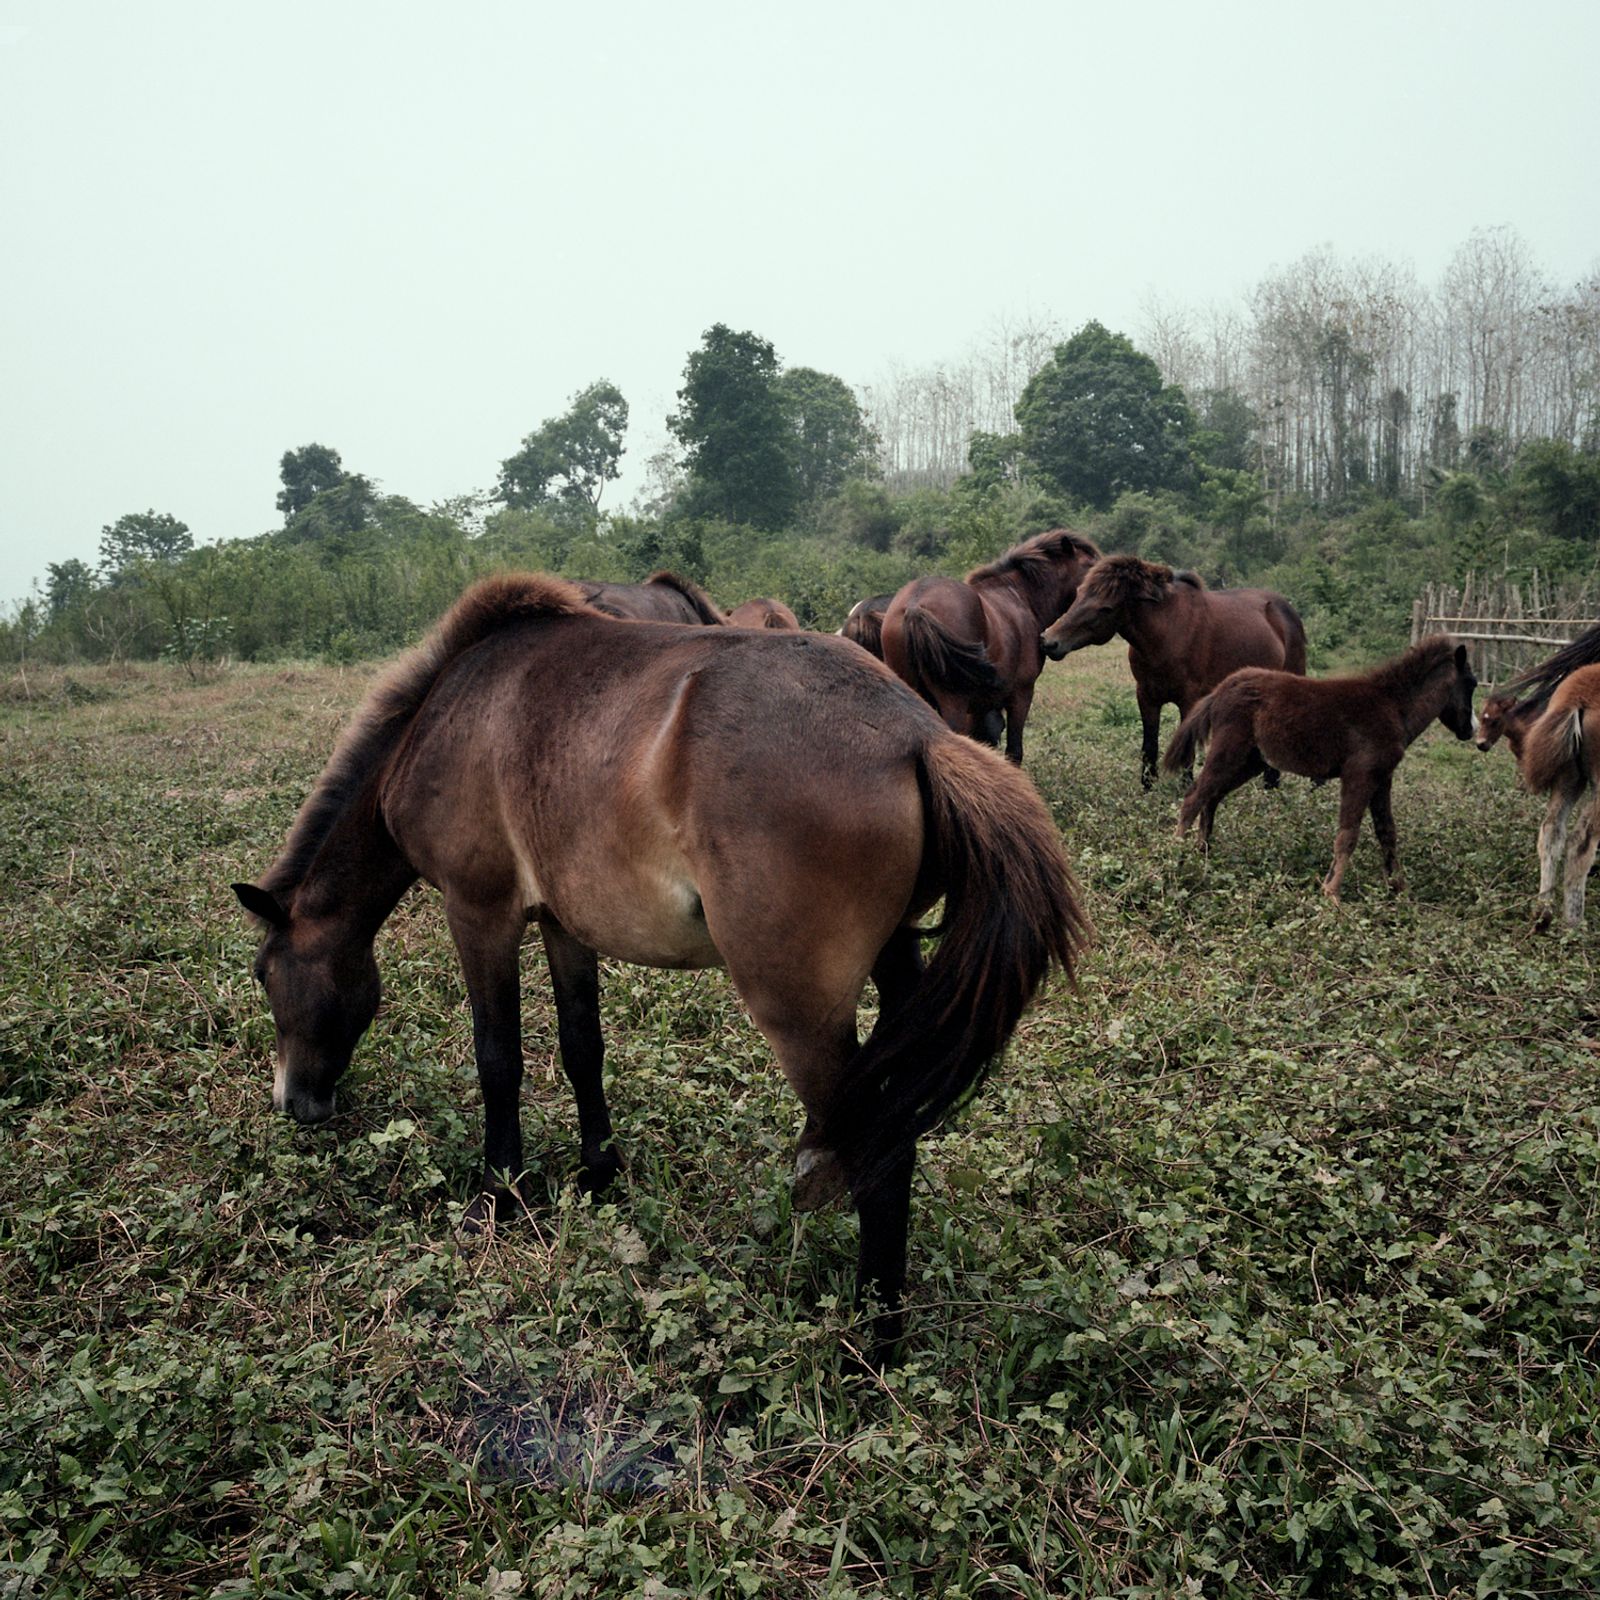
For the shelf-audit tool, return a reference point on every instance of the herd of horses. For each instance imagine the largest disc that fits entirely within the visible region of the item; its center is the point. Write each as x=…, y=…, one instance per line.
x=652, y=780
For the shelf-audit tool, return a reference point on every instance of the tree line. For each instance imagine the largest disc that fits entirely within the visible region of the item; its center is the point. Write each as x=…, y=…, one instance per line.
x=782, y=480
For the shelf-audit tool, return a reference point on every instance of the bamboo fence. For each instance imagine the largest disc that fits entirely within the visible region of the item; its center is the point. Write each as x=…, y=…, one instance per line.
x=1508, y=627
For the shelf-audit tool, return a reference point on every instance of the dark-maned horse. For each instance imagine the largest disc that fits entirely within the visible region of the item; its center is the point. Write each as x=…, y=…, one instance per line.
x=662, y=597
x=676, y=797
x=1355, y=729
x=1183, y=638
x=763, y=614
x=971, y=648
x=1559, y=755
x=865, y=623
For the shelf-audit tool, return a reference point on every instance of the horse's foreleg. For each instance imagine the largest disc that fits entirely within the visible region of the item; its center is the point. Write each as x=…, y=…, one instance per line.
x=988, y=726
x=488, y=945
x=575, y=977
x=1552, y=847
x=1355, y=794
x=1388, y=838
x=1580, y=858
x=1150, y=750
x=882, y=1195
x=1017, y=708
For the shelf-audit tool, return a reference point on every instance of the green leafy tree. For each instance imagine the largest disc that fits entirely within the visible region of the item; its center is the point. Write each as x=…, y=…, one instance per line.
x=306, y=473
x=568, y=460
x=1560, y=488
x=142, y=536
x=1225, y=433
x=69, y=585
x=991, y=459
x=1097, y=420
x=333, y=514
x=831, y=442
x=736, y=432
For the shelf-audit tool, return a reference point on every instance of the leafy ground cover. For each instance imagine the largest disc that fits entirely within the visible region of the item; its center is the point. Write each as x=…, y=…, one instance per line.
x=1263, y=1267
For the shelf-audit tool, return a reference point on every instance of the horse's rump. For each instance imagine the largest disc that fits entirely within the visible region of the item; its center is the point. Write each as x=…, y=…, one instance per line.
x=1560, y=748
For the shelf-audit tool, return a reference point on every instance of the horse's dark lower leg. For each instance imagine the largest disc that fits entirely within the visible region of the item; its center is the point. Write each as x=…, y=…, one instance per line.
x=897, y=971
x=1017, y=708
x=1150, y=749
x=883, y=1201
x=1271, y=778
x=575, y=976
x=489, y=961
x=989, y=727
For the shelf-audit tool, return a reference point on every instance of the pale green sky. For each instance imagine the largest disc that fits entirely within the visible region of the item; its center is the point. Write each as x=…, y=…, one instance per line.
x=412, y=231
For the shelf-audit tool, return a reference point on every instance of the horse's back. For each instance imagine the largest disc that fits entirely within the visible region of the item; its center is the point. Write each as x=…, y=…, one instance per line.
x=656, y=788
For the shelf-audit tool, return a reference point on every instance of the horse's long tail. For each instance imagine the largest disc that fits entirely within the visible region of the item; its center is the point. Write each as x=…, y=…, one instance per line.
x=1192, y=732
x=939, y=660
x=1554, y=752
x=1011, y=912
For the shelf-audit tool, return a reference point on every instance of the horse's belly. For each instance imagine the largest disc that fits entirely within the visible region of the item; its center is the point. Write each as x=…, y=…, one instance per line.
x=648, y=919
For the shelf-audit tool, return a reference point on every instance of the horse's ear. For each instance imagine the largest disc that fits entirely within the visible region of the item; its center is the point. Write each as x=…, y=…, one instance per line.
x=1461, y=658
x=262, y=903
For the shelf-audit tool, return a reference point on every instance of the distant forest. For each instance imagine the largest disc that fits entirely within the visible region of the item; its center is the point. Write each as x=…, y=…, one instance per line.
x=1345, y=436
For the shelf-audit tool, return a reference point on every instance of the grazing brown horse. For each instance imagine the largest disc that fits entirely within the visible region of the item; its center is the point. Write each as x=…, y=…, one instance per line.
x=1183, y=638
x=1559, y=755
x=763, y=614
x=865, y=623
x=662, y=597
x=675, y=797
x=1355, y=729
x=971, y=648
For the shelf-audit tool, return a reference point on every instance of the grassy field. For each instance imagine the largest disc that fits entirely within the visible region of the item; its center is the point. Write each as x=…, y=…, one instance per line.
x=1264, y=1266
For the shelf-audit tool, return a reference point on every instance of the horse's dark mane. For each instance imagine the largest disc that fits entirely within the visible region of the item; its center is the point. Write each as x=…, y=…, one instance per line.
x=395, y=698
x=1544, y=679
x=1123, y=579
x=1189, y=576
x=1409, y=671
x=1033, y=557
x=705, y=607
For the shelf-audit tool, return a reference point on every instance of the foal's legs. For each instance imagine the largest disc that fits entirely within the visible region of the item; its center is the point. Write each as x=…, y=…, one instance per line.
x=1552, y=846
x=488, y=941
x=1388, y=839
x=575, y=976
x=1580, y=858
x=1356, y=787
x=1230, y=762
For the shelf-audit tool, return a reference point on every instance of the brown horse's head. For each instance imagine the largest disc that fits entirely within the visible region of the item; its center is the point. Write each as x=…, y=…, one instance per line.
x=1456, y=714
x=1102, y=603
x=323, y=989
x=1493, y=720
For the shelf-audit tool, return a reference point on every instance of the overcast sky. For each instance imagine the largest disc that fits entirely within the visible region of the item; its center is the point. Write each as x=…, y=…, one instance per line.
x=412, y=231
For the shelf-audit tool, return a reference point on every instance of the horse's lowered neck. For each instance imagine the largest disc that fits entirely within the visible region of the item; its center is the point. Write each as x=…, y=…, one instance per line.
x=1417, y=712
x=357, y=876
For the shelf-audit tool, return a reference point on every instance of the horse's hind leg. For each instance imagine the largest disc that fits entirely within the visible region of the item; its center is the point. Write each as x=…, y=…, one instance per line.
x=1580, y=858
x=575, y=977
x=1230, y=763
x=1552, y=847
x=1388, y=838
x=882, y=1194
x=1017, y=708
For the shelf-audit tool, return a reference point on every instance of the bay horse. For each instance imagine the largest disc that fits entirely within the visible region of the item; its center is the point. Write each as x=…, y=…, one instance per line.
x=1183, y=638
x=865, y=623
x=763, y=613
x=677, y=797
x=662, y=597
x=1356, y=729
x=971, y=649
x=1558, y=754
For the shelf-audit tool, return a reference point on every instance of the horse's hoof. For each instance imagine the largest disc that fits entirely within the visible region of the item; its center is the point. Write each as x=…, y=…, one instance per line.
x=1542, y=919
x=478, y=1219
x=819, y=1179
x=595, y=1177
